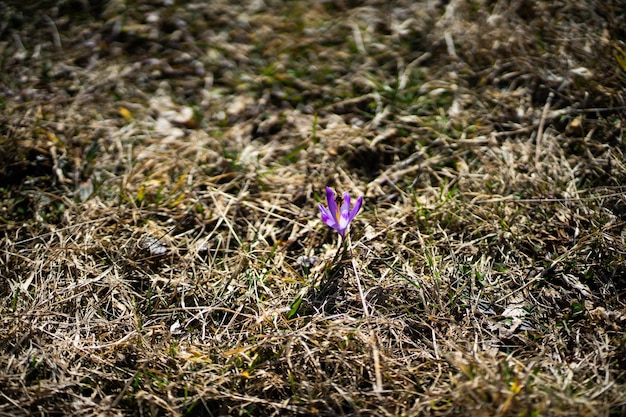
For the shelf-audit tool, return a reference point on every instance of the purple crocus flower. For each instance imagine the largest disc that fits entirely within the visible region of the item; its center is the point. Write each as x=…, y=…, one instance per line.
x=338, y=214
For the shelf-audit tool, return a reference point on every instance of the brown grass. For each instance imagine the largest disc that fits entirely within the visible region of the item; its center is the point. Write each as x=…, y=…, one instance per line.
x=159, y=174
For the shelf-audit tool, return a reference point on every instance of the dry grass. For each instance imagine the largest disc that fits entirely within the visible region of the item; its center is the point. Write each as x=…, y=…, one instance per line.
x=159, y=177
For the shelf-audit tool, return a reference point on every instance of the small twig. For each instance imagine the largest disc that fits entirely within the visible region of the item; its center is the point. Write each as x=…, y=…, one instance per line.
x=512, y=199
x=450, y=44
x=43, y=235
x=378, y=384
x=358, y=39
x=542, y=122
x=56, y=38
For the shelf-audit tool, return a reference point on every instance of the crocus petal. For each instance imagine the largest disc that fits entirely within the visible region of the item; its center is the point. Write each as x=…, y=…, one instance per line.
x=341, y=228
x=339, y=218
x=327, y=217
x=344, y=217
x=357, y=207
x=330, y=199
x=345, y=207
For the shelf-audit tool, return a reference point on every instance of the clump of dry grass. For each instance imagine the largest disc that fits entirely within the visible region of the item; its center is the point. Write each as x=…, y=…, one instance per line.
x=160, y=168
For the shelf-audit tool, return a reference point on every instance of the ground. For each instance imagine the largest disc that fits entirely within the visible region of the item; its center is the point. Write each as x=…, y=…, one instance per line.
x=162, y=251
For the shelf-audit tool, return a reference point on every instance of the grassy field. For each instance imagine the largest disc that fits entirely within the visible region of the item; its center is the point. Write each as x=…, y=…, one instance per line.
x=162, y=251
